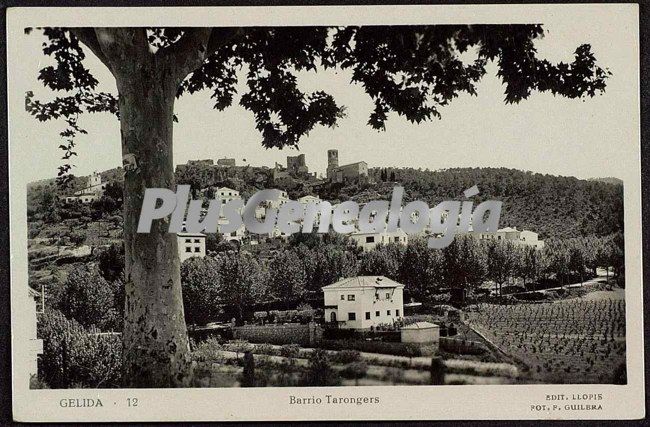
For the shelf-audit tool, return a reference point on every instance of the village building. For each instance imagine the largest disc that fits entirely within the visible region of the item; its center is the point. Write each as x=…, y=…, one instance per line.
x=205, y=162
x=305, y=200
x=225, y=195
x=510, y=234
x=93, y=191
x=226, y=162
x=352, y=172
x=190, y=245
x=369, y=241
x=297, y=166
x=363, y=302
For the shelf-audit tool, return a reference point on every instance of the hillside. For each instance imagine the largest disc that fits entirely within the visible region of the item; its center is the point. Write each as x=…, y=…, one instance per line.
x=554, y=206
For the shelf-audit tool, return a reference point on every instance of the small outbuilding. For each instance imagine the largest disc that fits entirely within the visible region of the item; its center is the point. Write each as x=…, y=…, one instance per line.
x=421, y=332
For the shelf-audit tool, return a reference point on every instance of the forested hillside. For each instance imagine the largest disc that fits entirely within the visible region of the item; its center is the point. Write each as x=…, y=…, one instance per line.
x=554, y=206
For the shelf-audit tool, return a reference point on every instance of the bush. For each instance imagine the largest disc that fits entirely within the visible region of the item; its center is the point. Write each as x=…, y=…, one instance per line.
x=319, y=371
x=290, y=350
x=266, y=349
x=74, y=355
x=394, y=348
x=208, y=351
x=238, y=346
x=355, y=371
x=346, y=356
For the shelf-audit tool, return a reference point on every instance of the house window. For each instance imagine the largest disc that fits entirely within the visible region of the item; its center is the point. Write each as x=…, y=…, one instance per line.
x=197, y=241
x=188, y=249
x=197, y=249
x=352, y=316
x=342, y=297
x=397, y=313
x=376, y=313
x=370, y=239
x=233, y=234
x=396, y=239
x=350, y=297
x=388, y=312
x=367, y=315
x=387, y=295
x=188, y=240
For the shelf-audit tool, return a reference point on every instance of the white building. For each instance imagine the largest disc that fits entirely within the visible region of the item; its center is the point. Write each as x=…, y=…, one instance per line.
x=363, y=301
x=369, y=241
x=91, y=192
x=523, y=237
x=305, y=200
x=190, y=245
x=225, y=195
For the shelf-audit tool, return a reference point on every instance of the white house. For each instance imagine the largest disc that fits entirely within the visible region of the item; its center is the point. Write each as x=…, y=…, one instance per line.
x=225, y=195
x=369, y=241
x=190, y=245
x=363, y=301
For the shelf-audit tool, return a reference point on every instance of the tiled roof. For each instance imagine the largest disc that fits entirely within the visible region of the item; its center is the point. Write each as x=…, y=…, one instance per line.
x=364, y=281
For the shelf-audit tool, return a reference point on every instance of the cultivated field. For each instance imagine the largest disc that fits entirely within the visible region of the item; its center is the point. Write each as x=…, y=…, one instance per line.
x=570, y=341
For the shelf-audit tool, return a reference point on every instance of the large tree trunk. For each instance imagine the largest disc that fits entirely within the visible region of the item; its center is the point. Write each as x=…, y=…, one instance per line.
x=156, y=350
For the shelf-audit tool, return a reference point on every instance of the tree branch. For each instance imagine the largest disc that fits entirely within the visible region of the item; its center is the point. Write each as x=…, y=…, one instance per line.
x=194, y=47
x=88, y=37
x=123, y=45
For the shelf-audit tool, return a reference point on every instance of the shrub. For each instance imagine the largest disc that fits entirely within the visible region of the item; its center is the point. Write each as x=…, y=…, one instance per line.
x=355, y=371
x=74, y=355
x=290, y=350
x=319, y=372
x=266, y=349
x=208, y=351
x=394, y=348
x=393, y=375
x=346, y=356
x=238, y=346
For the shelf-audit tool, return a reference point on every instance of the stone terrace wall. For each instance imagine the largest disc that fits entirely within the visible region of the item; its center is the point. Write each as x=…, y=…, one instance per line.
x=293, y=333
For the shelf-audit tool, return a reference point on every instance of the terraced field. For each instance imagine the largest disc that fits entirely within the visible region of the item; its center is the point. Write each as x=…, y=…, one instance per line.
x=571, y=341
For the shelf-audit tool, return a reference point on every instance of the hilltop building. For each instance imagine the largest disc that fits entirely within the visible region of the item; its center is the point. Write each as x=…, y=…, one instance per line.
x=205, y=162
x=93, y=190
x=296, y=165
x=352, y=172
x=364, y=301
x=226, y=162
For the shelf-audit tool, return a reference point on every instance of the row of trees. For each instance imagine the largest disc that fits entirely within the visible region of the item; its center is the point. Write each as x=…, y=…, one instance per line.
x=297, y=272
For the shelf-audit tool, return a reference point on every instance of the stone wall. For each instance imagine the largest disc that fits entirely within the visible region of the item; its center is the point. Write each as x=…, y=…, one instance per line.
x=292, y=333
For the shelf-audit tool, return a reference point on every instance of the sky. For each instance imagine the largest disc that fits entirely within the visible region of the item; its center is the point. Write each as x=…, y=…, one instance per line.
x=545, y=134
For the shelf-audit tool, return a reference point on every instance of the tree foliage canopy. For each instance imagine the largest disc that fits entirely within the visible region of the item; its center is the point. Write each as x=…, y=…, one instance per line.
x=410, y=70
